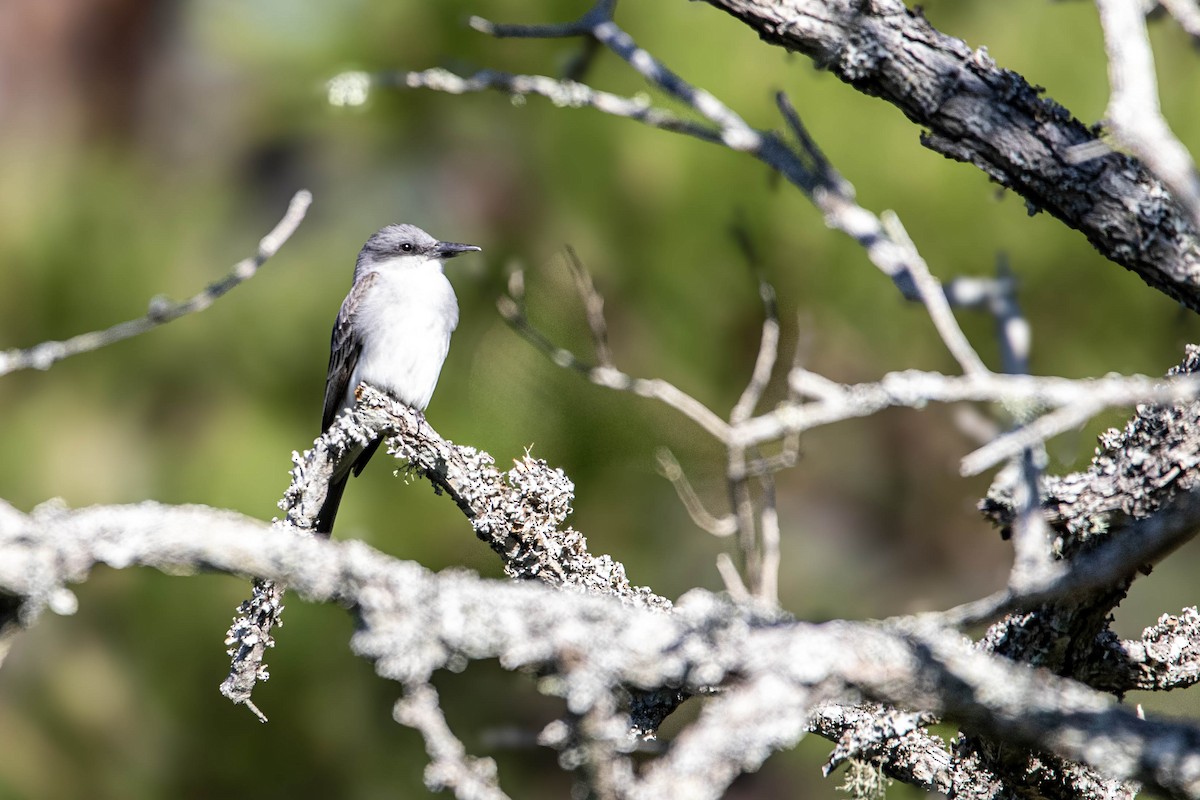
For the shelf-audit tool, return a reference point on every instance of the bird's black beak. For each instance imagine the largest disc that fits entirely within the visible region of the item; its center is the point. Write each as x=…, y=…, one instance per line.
x=452, y=249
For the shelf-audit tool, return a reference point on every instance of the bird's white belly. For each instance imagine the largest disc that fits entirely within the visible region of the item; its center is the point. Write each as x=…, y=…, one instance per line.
x=411, y=317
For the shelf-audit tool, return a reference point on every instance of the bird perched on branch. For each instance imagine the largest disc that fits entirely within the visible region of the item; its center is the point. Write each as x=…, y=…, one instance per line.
x=393, y=332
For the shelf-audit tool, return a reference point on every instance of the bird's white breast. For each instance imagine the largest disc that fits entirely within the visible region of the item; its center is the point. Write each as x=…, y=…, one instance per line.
x=405, y=322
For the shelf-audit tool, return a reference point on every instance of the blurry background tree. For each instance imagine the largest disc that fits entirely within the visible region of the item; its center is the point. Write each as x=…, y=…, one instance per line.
x=144, y=144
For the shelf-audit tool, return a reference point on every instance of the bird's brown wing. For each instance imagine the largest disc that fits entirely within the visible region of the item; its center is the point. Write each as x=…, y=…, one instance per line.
x=344, y=348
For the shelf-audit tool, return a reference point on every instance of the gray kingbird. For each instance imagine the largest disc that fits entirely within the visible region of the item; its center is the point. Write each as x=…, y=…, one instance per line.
x=393, y=332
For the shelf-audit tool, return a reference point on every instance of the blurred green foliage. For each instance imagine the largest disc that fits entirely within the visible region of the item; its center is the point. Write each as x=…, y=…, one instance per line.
x=222, y=117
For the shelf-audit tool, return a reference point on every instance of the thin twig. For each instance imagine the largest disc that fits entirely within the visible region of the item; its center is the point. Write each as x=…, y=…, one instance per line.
x=670, y=468
x=1047, y=426
x=1135, y=545
x=789, y=452
x=1032, y=553
x=997, y=296
x=916, y=389
x=562, y=93
x=808, y=171
x=602, y=10
x=612, y=378
x=578, y=66
x=764, y=362
x=742, y=463
x=825, y=174
x=735, y=133
x=833, y=195
x=934, y=298
x=769, y=538
x=162, y=311
x=742, y=503
x=732, y=579
x=593, y=306
x=1012, y=329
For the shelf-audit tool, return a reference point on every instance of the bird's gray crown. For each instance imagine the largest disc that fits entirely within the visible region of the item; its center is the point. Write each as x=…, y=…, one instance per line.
x=398, y=241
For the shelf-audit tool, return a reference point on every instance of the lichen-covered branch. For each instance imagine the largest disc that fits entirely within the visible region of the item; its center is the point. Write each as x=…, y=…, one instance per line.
x=412, y=623
x=1166, y=657
x=520, y=514
x=449, y=767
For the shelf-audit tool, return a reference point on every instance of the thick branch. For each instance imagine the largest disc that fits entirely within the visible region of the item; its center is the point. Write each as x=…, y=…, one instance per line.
x=976, y=112
x=1133, y=111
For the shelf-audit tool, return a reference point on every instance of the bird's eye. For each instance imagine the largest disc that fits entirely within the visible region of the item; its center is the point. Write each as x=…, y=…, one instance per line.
x=407, y=247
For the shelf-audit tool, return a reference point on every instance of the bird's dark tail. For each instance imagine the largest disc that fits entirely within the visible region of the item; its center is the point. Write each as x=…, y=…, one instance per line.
x=333, y=498
x=328, y=513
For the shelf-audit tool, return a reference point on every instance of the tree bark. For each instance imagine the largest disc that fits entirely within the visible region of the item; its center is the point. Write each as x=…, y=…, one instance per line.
x=981, y=114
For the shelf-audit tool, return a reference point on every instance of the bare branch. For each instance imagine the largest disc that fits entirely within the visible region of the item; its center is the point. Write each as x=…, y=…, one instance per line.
x=613, y=378
x=997, y=296
x=563, y=93
x=248, y=639
x=895, y=739
x=732, y=579
x=593, y=305
x=1016, y=337
x=769, y=542
x=162, y=311
x=758, y=542
x=1125, y=550
x=670, y=468
x=1134, y=503
x=915, y=389
x=1032, y=539
x=808, y=170
x=1034, y=577
x=1012, y=443
x=934, y=298
x=1133, y=111
x=1186, y=13
x=764, y=362
x=583, y=26
x=742, y=503
x=735, y=133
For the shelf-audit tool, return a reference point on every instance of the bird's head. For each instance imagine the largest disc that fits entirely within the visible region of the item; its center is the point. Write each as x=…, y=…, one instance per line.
x=405, y=245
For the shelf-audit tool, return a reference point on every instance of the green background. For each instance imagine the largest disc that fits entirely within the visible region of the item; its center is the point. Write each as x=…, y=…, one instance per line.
x=146, y=147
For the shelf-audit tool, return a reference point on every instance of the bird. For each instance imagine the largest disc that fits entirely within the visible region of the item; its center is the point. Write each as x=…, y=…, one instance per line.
x=392, y=332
